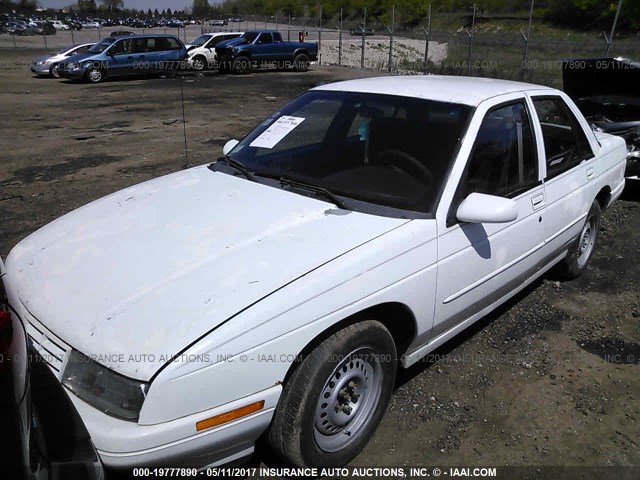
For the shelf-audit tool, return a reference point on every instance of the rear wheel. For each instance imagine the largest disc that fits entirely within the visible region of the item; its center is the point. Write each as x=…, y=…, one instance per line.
x=335, y=399
x=301, y=63
x=580, y=253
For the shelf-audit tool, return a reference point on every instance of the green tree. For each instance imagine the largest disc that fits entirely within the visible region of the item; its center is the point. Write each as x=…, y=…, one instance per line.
x=201, y=8
x=113, y=5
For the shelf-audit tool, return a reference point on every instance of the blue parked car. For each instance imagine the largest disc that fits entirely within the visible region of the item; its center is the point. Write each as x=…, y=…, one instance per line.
x=126, y=56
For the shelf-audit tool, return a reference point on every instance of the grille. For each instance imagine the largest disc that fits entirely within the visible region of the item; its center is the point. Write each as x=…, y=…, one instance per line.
x=48, y=345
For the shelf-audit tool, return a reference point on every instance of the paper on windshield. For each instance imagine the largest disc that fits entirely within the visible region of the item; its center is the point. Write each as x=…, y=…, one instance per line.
x=276, y=132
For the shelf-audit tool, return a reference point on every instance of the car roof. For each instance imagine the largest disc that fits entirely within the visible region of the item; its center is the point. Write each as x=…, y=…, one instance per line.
x=258, y=30
x=466, y=90
x=214, y=34
x=146, y=35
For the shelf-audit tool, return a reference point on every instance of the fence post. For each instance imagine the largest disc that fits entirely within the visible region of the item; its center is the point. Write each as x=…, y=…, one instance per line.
x=184, y=34
x=276, y=21
x=73, y=41
x=471, y=34
x=320, y=37
x=527, y=37
x=427, y=32
x=340, y=41
x=364, y=26
x=99, y=37
x=393, y=26
x=265, y=22
x=289, y=31
x=44, y=37
x=613, y=30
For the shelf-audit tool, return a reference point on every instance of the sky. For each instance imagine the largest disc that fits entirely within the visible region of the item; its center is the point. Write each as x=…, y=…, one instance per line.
x=138, y=4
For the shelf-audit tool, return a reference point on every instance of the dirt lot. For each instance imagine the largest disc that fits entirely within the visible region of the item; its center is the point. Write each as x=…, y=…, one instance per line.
x=538, y=383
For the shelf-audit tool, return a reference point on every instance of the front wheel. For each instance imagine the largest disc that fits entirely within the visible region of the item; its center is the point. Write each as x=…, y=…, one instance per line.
x=335, y=399
x=581, y=251
x=53, y=72
x=199, y=63
x=94, y=75
x=241, y=65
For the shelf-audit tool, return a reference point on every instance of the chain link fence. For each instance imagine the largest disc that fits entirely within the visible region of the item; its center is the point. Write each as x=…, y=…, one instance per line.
x=462, y=43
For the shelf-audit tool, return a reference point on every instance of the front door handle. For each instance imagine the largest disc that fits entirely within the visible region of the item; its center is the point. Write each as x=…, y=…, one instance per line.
x=591, y=172
x=537, y=201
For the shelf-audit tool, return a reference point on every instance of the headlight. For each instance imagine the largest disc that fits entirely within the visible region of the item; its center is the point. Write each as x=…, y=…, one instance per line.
x=102, y=388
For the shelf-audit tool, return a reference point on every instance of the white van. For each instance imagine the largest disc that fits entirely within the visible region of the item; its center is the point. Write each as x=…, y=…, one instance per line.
x=201, y=52
x=59, y=25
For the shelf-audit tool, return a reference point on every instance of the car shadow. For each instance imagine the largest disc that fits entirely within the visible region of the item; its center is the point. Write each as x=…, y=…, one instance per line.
x=405, y=375
x=631, y=190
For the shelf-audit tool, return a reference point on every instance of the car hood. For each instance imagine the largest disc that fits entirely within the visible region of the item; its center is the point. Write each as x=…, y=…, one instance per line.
x=152, y=268
x=44, y=58
x=78, y=57
x=232, y=42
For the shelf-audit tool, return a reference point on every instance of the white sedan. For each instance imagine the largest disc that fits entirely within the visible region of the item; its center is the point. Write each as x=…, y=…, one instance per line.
x=279, y=289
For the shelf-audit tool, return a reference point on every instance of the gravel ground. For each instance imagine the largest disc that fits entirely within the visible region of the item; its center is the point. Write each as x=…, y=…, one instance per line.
x=406, y=52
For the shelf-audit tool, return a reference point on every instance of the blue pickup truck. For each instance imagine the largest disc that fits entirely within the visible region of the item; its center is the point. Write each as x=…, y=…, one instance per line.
x=259, y=47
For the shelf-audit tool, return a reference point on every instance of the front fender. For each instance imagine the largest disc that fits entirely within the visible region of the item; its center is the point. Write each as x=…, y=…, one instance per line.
x=255, y=349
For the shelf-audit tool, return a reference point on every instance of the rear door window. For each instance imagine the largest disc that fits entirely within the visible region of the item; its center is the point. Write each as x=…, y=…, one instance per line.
x=565, y=142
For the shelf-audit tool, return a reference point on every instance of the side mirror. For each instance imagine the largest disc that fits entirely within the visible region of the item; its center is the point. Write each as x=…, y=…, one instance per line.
x=230, y=145
x=482, y=208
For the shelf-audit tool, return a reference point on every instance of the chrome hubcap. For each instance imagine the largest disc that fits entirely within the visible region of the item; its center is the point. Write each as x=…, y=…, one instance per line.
x=348, y=400
x=95, y=75
x=198, y=64
x=587, y=241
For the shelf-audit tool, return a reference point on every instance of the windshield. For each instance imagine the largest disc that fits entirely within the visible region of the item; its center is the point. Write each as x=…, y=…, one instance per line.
x=201, y=40
x=382, y=149
x=100, y=47
x=250, y=36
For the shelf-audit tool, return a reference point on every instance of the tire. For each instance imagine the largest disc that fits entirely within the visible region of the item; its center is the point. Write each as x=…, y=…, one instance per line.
x=241, y=65
x=94, y=75
x=310, y=424
x=199, y=63
x=53, y=72
x=301, y=62
x=580, y=253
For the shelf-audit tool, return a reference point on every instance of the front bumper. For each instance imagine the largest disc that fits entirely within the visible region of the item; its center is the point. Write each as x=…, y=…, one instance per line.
x=75, y=74
x=42, y=69
x=123, y=444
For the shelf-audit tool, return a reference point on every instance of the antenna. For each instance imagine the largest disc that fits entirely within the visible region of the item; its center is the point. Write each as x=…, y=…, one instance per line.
x=184, y=122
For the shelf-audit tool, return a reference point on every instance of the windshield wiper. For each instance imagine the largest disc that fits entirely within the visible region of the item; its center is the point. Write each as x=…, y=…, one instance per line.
x=249, y=175
x=319, y=191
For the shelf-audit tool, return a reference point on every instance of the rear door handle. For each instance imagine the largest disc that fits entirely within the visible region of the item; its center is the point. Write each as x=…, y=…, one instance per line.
x=591, y=172
x=537, y=201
